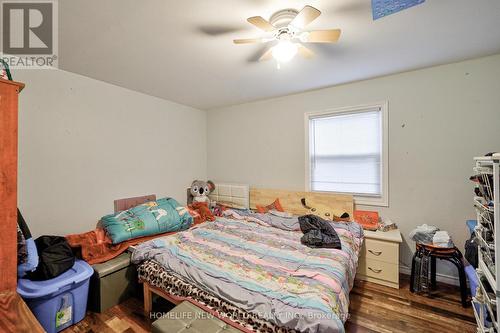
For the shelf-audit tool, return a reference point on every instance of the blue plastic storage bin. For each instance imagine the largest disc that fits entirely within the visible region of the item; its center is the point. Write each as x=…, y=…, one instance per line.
x=473, y=284
x=59, y=302
x=472, y=277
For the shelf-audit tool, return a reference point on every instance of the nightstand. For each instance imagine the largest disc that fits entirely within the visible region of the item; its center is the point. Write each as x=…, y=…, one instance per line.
x=379, y=258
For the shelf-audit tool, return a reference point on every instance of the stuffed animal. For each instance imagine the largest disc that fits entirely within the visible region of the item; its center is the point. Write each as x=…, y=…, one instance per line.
x=199, y=191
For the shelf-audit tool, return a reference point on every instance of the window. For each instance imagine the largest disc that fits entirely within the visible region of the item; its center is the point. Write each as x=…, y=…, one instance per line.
x=347, y=153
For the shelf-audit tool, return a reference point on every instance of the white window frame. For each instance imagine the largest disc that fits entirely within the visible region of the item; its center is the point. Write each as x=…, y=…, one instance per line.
x=383, y=199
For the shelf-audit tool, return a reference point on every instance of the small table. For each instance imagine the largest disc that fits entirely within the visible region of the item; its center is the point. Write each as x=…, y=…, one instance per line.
x=452, y=255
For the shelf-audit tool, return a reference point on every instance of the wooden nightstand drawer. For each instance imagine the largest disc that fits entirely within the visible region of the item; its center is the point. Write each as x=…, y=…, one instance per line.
x=381, y=251
x=379, y=258
x=379, y=270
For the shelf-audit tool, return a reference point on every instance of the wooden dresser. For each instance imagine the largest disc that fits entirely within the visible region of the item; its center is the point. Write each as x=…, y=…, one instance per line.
x=15, y=316
x=9, y=91
x=379, y=258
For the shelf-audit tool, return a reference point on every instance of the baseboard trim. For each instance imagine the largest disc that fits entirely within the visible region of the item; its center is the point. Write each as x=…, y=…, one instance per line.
x=448, y=279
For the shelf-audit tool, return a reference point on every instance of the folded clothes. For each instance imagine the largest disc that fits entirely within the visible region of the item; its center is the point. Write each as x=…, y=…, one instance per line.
x=442, y=239
x=441, y=236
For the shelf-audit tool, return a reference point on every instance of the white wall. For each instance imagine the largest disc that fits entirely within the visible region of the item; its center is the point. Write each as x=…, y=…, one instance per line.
x=84, y=143
x=439, y=118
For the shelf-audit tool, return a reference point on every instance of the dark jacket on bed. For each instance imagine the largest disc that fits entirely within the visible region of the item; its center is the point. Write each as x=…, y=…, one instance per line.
x=318, y=232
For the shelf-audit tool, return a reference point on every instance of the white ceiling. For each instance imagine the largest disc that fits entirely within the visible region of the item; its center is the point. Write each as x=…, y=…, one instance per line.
x=183, y=51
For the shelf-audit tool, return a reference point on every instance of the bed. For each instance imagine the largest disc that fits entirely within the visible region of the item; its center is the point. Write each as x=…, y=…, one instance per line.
x=254, y=275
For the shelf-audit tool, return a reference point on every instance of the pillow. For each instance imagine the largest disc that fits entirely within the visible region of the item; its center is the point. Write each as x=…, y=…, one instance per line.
x=150, y=218
x=276, y=205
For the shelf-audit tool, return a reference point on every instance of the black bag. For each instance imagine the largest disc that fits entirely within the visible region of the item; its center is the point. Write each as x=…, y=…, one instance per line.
x=55, y=256
x=471, y=251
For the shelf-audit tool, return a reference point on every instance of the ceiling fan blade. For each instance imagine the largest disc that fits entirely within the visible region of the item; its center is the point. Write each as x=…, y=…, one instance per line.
x=268, y=55
x=218, y=30
x=323, y=36
x=305, y=16
x=247, y=41
x=261, y=23
x=305, y=52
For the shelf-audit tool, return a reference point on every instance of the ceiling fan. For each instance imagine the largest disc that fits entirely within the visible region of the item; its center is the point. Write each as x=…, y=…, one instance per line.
x=286, y=27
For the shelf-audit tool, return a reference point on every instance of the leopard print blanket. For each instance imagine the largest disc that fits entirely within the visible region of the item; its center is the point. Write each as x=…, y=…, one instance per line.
x=157, y=276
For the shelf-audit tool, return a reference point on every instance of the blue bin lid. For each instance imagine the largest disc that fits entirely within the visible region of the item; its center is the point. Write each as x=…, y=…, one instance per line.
x=34, y=289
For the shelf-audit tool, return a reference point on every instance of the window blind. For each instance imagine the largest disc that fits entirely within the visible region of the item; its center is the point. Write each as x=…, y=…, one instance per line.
x=346, y=152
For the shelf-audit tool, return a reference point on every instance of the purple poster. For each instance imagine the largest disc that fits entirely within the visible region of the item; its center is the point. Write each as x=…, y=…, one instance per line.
x=381, y=8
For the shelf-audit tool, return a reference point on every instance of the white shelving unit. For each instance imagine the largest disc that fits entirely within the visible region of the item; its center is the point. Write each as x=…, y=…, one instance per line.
x=487, y=205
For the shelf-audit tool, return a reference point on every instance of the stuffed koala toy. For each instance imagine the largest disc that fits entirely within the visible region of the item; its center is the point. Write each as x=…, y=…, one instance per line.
x=200, y=190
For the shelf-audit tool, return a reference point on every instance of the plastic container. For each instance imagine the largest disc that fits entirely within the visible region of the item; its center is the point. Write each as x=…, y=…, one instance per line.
x=59, y=302
x=474, y=284
x=472, y=277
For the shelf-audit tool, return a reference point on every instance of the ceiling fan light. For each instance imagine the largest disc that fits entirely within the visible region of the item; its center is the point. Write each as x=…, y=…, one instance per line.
x=284, y=51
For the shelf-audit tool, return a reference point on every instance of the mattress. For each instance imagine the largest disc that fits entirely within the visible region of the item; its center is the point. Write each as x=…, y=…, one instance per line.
x=261, y=270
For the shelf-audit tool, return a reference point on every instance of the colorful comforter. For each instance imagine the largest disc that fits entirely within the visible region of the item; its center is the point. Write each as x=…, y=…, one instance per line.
x=264, y=270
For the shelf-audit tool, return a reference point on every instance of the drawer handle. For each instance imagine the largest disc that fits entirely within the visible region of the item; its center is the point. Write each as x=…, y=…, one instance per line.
x=375, y=253
x=375, y=270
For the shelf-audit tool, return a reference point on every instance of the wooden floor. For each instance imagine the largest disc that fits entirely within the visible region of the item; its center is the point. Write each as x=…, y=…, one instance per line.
x=374, y=308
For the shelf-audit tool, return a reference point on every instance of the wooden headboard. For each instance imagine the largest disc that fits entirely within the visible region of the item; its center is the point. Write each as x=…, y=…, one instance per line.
x=323, y=204
x=124, y=204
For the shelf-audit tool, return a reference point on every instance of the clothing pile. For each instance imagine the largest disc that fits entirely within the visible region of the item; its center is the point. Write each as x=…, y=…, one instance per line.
x=200, y=212
x=318, y=232
x=96, y=246
x=43, y=258
x=431, y=235
x=423, y=233
x=428, y=235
